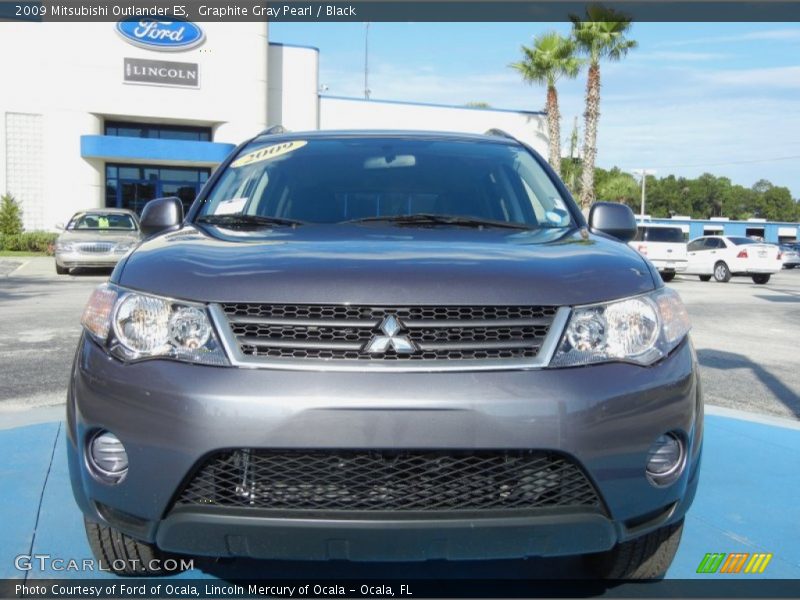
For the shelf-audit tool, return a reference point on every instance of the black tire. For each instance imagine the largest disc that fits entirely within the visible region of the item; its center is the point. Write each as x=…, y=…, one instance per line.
x=705, y=277
x=124, y=555
x=789, y=266
x=721, y=272
x=61, y=270
x=761, y=278
x=667, y=277
x=646, y=557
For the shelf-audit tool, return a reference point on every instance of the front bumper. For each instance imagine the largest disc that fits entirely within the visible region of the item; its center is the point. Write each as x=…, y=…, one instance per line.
x=171, y=415
x=73, y=260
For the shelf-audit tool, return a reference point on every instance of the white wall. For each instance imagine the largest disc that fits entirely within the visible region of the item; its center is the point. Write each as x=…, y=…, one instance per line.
x=293, y=87
x=73, y=77
x=347, y=113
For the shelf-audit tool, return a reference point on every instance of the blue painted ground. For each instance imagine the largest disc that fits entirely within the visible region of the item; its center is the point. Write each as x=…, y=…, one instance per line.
x=748, y=501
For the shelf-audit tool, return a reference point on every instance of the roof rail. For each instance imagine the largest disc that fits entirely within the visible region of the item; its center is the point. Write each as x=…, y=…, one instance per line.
x=500, y=133
x=274, y=130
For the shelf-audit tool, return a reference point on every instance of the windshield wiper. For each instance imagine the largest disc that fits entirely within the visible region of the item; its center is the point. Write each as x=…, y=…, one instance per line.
x=434, y=219
x=240, y=220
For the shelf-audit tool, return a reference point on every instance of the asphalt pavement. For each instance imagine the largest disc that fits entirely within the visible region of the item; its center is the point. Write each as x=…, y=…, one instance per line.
x=746, y=335
x=39, y=329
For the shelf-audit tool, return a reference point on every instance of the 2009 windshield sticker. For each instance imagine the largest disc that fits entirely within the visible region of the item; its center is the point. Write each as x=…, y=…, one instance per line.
x=267, y=153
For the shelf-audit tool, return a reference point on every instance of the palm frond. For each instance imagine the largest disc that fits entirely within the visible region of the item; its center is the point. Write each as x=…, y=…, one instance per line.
x=551, y=57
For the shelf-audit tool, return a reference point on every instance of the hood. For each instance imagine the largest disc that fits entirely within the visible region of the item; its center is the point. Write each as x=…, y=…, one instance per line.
x=98, y=235
x=386, y=265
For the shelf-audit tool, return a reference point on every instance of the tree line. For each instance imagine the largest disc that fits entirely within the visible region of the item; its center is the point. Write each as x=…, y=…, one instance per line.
x=701, y=197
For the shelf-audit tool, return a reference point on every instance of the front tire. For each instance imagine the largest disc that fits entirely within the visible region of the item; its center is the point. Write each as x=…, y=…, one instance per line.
x=61, y=270
x=667, y=277
x=705, y=277
x=722, y=273
x=761, y=278
x=124, y=555
x=646, y=557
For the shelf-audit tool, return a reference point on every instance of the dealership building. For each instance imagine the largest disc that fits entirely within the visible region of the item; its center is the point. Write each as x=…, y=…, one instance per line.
x=774, y=232
x=116, y=114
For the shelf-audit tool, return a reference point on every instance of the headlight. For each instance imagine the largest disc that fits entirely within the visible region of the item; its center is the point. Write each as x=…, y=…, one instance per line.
x=134, y=326
x=641, y=330
x=124, y=246
x=64, y=247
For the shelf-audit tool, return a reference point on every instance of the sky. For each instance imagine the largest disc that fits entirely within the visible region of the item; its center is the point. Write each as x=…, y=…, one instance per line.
x=692, y=98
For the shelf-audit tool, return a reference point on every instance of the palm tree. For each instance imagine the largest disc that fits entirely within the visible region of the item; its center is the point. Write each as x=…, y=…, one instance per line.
x=551, y=57
x=601, y=35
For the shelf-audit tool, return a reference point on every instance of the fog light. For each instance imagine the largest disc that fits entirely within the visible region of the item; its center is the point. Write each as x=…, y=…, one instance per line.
x=107, y=458
x=665, y=459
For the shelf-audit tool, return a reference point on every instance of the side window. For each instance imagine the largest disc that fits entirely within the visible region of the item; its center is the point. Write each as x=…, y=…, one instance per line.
x=640, y=233
x=696, y=245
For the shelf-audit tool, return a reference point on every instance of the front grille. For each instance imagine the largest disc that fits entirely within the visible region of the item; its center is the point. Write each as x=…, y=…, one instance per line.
x=96, y=247
x=386, y=480
x=344, y=332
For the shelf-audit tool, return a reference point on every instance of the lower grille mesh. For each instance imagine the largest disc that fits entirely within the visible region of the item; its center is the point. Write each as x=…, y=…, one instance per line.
x=383, y=480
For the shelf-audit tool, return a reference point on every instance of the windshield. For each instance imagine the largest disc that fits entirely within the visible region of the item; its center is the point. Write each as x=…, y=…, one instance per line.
x=348, y=179
x=89, y=221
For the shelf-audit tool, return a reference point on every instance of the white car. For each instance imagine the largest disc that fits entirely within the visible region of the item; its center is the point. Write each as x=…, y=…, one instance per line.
x=662, y=245
x=724, y=257
x=791, y=255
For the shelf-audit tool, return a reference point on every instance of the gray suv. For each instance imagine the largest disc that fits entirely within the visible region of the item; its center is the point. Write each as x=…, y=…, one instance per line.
x=385, y=346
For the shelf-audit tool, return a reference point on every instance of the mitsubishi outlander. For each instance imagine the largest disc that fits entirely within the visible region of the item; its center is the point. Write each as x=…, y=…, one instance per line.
x=385, y=346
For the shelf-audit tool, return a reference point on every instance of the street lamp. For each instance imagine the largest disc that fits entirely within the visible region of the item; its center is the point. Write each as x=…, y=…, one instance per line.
x=367, y=91
x=643, y=173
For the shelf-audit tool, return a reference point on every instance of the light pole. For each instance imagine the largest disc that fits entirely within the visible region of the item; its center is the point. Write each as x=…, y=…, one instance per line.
x=367, y=91
x=643, y=173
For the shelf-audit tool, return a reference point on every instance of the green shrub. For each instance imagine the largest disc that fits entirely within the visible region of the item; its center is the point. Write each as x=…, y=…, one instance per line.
x=10, y=216
x=29, y=241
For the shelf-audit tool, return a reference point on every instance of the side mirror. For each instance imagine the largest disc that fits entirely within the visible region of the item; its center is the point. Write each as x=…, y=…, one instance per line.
x=160, y=215
x=60, y=226
x=614, y=219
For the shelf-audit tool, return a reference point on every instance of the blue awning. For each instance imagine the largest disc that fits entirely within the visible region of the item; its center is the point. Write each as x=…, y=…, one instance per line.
x=130, y=149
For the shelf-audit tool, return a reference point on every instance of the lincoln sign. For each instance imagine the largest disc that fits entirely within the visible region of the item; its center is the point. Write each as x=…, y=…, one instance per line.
x=161, y=72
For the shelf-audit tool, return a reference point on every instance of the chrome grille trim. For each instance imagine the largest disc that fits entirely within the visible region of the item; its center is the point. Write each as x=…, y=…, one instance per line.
x=232, y=347
x=95, y=247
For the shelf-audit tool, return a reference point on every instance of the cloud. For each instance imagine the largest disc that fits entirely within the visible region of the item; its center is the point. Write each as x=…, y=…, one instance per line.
x=774, y=35
x=787, y=78
x=678, y=56
x=502, y=89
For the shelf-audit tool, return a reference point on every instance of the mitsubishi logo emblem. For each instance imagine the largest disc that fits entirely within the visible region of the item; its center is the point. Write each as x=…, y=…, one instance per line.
x=390, y=327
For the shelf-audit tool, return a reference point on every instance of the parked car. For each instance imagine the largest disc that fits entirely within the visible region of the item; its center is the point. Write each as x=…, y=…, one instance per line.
x=663, y=246
x=385, y=346
x=96, y=238
x=791, y=255
x=724, y=257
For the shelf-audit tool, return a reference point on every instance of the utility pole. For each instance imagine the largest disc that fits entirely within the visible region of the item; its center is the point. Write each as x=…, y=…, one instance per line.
x=644, y=173
x=367, y=91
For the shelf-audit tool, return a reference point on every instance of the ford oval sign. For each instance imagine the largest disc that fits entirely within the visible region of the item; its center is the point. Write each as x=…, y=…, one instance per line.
x=165, y=36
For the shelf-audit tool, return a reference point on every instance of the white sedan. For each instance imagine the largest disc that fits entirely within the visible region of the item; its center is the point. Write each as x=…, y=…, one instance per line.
x=724, y=257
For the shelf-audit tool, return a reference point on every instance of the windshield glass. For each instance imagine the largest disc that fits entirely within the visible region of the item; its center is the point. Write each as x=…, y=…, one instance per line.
x=88, y=221
x=346, y=179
